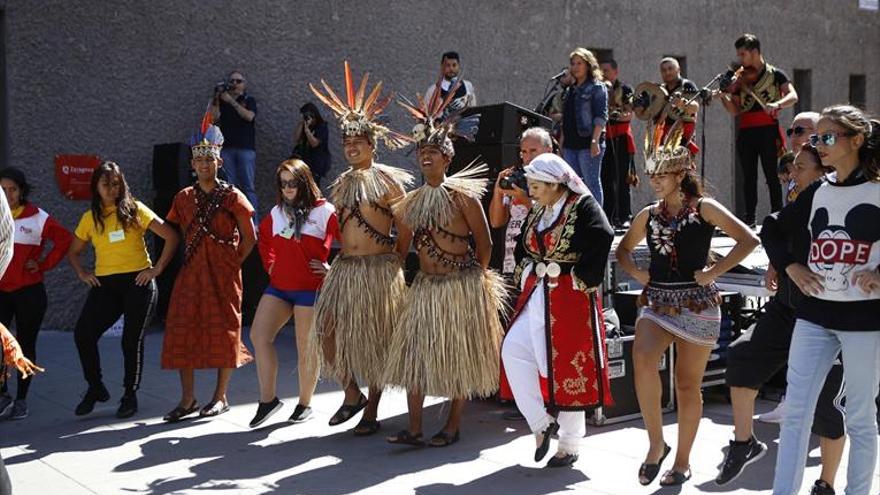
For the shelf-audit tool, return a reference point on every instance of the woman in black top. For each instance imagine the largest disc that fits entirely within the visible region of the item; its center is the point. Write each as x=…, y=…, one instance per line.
x=680, y=302
x=310, y=136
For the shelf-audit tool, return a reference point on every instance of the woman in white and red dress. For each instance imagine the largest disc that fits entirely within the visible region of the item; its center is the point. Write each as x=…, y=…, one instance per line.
x=556, y=332
x=294, y=243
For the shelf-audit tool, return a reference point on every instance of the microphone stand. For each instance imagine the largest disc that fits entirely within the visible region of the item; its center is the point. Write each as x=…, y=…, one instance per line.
x=548, y=95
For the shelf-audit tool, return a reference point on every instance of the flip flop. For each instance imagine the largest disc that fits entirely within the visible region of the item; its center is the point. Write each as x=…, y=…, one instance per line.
x=366, y=427
x=676, y=478
x=405, y=437
x=346, y=412
x=444, y=439
x=178, y=413
x=650, y=471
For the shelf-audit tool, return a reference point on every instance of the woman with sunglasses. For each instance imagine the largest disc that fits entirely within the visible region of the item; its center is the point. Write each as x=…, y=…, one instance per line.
x=294, y=243
x=838, y=273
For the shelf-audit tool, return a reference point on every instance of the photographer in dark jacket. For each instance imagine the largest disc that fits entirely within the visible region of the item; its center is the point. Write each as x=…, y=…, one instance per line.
x=310, y=138
x=234, y=112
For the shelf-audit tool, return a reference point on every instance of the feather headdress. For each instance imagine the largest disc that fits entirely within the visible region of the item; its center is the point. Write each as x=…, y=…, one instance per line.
x=434, y=125
x=664, y=152
x=358, y=113
x=209, y=140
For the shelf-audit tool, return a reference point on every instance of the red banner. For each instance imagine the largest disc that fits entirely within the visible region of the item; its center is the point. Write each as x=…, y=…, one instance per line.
x=74, y=174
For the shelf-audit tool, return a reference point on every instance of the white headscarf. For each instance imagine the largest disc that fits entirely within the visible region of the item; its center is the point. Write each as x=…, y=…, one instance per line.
x=548, y=167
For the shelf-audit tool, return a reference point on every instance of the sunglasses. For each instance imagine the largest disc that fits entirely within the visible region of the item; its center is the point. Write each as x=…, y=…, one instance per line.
x=284, y=184
x=236, y=81
x=828, y=138
x=797, y=131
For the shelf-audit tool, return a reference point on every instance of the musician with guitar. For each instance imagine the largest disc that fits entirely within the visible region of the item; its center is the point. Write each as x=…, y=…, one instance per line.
x=756, y=94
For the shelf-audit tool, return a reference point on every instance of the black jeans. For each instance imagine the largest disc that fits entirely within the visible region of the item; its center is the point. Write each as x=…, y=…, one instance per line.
x=615, y=189
x=117, y=296
x=754, y=143
x=27, y=306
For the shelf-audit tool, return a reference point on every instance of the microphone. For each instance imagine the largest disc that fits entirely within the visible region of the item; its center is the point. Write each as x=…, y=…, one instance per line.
x=560, y=75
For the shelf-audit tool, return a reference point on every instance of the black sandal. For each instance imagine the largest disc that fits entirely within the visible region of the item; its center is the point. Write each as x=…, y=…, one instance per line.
x=542, y=449
x=443, y=439
x=676, y=478
x=405, y=437
x=366, y=427
x=346, y=412
x=650, y=471
x=178, y=413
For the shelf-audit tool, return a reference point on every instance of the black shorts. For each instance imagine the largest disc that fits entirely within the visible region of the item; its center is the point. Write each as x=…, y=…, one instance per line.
x=756, y=356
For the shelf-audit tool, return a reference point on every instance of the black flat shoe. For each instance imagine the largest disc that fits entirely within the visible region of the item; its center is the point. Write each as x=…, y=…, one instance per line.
x=300, y=414
x=564, y=461
x=405, y=437
x=675, y=478
x=542, y=449
x=366, y=427
x=346, y=412
x=650, y=471
x=128, y=406
x=264, y=411
x=443, y=439
x=178, y=413
x=214, y=408
x=93, y=395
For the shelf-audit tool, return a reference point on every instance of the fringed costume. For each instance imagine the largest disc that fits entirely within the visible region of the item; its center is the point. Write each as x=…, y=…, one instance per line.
x=448, y=338
x=360, y=299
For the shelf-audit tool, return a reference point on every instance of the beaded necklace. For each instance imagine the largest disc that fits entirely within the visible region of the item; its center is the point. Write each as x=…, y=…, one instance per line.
x=207, y=205
x=665, y=227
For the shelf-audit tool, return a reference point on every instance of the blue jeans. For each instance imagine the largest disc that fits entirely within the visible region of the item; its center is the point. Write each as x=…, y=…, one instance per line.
x=813, y=351
x=240, y=166
x=589, y=167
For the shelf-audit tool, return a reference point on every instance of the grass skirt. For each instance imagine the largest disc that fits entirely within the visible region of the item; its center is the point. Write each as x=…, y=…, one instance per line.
x=448, y=339
x=357, y=308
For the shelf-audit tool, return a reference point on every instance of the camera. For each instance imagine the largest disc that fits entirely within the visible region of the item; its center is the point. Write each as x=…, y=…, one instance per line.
x=222, y=86
x=516, y=178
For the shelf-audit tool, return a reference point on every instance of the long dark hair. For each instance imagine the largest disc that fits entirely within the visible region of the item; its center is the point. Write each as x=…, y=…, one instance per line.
x=17, y=176
x=310, y=107
x=126, y=205
x=307, y=191
x=859, y=123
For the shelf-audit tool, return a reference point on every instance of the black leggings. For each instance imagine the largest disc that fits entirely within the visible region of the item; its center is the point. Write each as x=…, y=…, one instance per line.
x=117, y=296
x=615, y=189
x=27, y=306
x=755, y=143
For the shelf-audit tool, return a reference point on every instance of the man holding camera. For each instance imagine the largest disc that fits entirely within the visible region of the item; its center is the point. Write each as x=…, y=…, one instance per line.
x=510, y=200
x=234, y=112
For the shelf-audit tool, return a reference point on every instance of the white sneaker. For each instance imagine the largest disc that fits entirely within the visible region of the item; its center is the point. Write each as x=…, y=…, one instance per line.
x=774, y=416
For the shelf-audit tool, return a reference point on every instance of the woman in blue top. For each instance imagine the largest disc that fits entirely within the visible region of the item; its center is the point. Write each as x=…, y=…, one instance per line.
x=584, y=114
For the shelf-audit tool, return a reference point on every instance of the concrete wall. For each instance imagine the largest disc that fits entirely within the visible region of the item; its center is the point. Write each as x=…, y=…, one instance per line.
x=114, y=78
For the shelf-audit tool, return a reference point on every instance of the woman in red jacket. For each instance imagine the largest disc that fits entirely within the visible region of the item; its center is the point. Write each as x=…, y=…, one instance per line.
x=294, y=243
x=22, y=294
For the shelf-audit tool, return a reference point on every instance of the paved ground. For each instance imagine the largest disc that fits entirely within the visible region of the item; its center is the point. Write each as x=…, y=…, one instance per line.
x=54, y=452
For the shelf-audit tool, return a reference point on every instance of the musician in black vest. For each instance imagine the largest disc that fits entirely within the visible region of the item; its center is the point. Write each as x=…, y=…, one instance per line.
x=617, y=162
x=450, y=66
x=764, y=90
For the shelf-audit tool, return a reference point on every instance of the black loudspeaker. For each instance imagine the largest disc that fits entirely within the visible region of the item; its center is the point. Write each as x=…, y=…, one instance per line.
x=165, y=281
x=171, y=167
x=496, y=156
x=503, y=123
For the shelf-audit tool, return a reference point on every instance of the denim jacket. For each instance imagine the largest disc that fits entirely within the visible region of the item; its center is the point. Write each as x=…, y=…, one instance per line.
x=590, y=106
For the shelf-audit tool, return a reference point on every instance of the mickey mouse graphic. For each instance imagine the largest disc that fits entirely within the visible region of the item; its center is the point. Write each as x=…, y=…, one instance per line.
x=837, y=249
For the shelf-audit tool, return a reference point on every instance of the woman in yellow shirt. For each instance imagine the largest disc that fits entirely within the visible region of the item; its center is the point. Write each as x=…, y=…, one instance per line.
x=122, y=283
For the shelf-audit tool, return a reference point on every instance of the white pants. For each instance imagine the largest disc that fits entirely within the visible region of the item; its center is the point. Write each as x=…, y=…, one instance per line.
x=525, y=358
